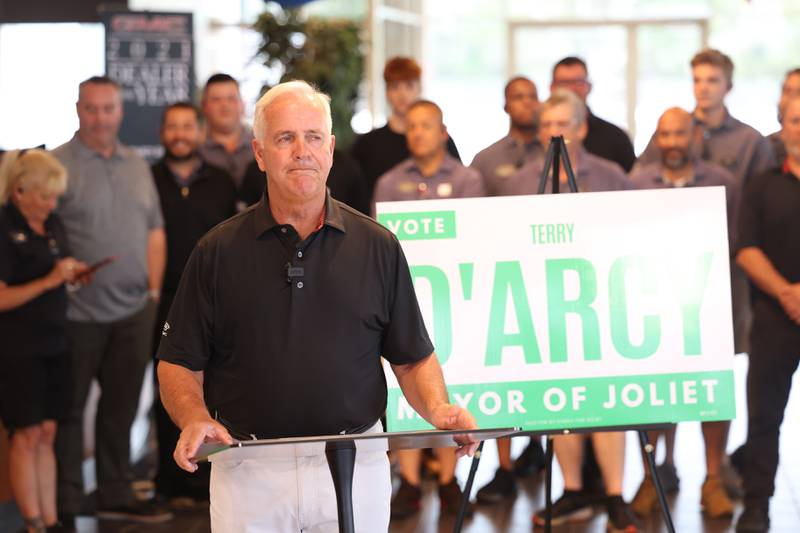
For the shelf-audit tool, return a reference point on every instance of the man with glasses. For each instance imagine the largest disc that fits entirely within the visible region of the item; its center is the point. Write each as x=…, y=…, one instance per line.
x=603, y=138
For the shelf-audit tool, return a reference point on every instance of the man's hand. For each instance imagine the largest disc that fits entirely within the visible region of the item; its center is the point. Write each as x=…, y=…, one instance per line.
x=449, y=416
x=193, y=435
x=789, y=298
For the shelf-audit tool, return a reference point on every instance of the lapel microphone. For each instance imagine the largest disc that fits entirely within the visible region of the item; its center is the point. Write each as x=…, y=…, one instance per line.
x=293, y=272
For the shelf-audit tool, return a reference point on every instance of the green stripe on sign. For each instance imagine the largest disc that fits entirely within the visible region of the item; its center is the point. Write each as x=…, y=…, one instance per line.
x=588, y=402
x=420, y=225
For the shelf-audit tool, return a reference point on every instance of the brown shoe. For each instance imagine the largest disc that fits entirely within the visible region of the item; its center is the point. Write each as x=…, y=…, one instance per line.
x=714, y=499
x=646, y=499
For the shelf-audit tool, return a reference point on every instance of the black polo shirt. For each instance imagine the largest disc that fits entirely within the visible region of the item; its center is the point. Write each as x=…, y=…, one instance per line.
x=295, y=356
x=36, y=327
x=608, y=141
x=190, y=210
x=769, y=219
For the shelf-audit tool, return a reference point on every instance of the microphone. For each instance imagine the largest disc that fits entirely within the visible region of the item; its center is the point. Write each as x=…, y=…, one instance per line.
x=293, y=272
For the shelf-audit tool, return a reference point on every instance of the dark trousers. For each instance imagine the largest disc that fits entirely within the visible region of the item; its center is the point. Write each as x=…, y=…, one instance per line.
x=170, y=480
x=116, y=354
x=774, y=355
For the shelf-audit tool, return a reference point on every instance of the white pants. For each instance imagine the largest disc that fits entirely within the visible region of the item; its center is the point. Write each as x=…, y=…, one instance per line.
x=293, y=492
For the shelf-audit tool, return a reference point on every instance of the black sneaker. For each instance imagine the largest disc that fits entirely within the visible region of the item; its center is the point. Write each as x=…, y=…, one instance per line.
x=143, y=512
x=754, y=519
x=620, y=516
x=531, y=460
x=501, y=487
x=572, y=506
x=668, y=477
x=407, y=500
x=451, y=499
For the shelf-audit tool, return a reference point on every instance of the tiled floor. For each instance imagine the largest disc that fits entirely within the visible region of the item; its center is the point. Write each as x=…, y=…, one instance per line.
x=515, y=516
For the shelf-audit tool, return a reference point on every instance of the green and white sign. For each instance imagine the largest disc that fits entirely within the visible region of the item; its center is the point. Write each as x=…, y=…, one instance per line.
x=574, y=310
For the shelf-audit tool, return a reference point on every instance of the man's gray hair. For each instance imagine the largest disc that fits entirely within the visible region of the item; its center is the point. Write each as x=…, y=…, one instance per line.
x=565, y=97
x=298, y=87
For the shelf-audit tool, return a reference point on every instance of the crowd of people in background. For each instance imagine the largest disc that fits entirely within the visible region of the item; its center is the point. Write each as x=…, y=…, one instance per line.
x=93, y=241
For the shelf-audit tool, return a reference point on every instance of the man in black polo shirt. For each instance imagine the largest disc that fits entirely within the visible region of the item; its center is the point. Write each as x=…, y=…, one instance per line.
x=194, y=197
x=603, y=138
x=769, y=253
x=277, y=329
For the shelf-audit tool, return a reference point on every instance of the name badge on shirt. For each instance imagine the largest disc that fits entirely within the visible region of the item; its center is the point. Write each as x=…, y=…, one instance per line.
x=406, y=186
x=728, y=161
x=504, y=171
x=444, y=189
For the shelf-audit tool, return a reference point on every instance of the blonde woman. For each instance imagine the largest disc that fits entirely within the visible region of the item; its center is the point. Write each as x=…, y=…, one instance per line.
x=35, y=264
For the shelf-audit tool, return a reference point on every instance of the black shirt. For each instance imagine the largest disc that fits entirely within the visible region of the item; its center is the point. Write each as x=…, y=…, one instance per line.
x=36, y=327
x=608, y=141
x=295, y=355
x=381, y=149
x=345, y=182
x=190, y=210
x=769, y=219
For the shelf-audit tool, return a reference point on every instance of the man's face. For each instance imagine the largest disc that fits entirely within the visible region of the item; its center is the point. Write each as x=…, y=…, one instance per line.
x=401, y=94
x=223, y=107
x=710, y=86
x=425, y=133
x=791, y=88
x=180, y=134
x=790, y=133
x=297, y=149
x=673, y=138
x=573, y=78
x=559, y=120
x=522, y=104
x=99, y=113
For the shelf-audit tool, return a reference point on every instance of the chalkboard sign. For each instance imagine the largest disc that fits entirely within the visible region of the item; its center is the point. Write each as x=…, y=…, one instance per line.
x=151, y=56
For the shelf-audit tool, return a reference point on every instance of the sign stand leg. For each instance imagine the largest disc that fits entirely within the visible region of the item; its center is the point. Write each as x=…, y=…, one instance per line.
x=548, y=484
x=649, y=453
x=341, y=457
x=468, y=488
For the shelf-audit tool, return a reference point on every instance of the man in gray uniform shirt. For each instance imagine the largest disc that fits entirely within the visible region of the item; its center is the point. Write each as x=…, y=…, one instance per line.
x=565, y=114
x=110, y=210
x=678, y=168
x=430, y=173
x=503, y=158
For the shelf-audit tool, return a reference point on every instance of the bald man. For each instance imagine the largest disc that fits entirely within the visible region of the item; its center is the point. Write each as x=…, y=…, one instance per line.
x=678, y=167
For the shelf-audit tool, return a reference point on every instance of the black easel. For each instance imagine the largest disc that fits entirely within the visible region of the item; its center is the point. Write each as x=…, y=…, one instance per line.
x=555, y=157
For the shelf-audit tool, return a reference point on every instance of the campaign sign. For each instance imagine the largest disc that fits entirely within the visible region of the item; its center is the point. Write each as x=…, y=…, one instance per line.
x=574, y=310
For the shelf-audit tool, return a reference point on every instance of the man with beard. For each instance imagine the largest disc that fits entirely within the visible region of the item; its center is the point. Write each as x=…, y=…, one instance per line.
x=521, y=145
x=769, y=253
x=678, y=168
x=195, y=196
